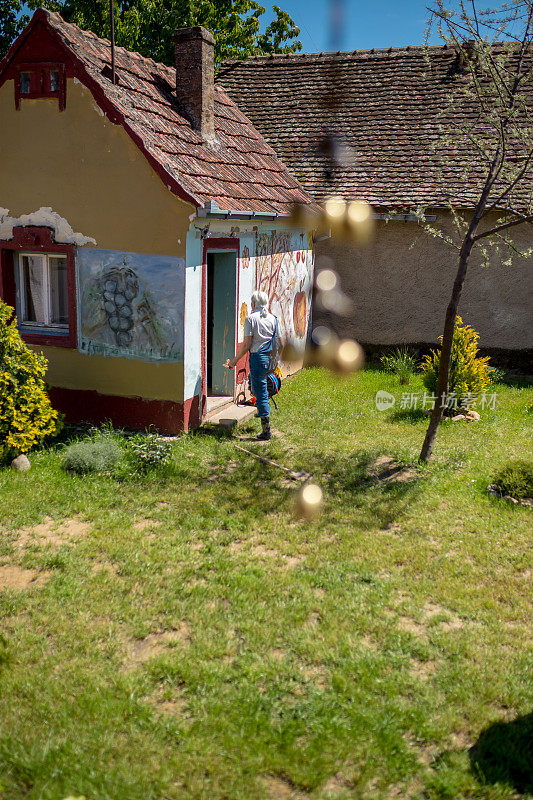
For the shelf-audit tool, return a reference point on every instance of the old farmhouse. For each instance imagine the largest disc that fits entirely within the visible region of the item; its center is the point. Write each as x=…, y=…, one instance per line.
x=362, y=125
x=139, y=209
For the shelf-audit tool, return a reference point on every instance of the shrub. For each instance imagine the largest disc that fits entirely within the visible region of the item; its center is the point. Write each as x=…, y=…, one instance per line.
x=150, y=451
x=515, y=479
x=469, y=374
x=26, y=414
x=96, y=455
x=401, y=362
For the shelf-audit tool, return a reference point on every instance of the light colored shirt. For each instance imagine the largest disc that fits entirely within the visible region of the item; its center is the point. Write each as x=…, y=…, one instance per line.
x=261, y=329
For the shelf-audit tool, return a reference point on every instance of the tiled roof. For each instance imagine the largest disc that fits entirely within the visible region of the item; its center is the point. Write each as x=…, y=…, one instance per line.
x=241, y=172
x=382, y=108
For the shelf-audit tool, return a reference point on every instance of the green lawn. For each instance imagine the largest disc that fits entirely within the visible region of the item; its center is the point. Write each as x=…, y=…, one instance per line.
x=184, y=636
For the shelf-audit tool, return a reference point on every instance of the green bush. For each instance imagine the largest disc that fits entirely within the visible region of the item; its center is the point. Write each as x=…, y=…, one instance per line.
x=401, y=362
x=469, y=374
x=149, y=451
x=95, y=455
x=26, y=414
x=515, y=479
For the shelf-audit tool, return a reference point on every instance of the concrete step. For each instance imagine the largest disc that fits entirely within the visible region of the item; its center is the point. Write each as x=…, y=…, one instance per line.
x=231, y=416
x=215, y=403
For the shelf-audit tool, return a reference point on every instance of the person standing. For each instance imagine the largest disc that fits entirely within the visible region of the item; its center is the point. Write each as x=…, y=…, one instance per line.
x=260, y=333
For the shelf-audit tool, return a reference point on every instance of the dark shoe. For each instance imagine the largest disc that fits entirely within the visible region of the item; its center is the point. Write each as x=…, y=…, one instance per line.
x=265, y=434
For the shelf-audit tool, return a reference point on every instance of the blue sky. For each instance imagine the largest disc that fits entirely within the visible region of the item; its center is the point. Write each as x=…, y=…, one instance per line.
x=363, y=23
x=366, y=24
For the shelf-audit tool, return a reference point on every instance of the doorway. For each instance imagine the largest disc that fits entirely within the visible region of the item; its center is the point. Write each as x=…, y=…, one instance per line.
x=221, y=313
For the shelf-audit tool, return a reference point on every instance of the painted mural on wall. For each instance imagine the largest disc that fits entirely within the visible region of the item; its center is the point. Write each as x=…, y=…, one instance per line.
x=284, y=270
x=131, y=304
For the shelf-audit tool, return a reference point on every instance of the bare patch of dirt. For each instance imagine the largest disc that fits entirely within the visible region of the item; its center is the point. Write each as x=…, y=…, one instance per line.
x=173, y=703
x=425, y=753
x=392, y=528
x=141, y=650
x=13, y=577
x=402, y=791
x=277, y=653
x=106, y=566
x=281, y=788
x=410, y=625
x=196, y=582
x=320, y=593
x=453, y=622
x=386, y=470
x=51, y=532
x=145, y=524
x=461, y=741
x=429, y=612
x=262, y=552
x=423, y=670
x=316, y=674
x=313, y=620
x=368, y=642
x=290, y=562
x=336, y=784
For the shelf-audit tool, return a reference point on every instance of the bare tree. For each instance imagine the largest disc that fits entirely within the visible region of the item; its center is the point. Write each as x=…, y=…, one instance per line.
x=488, y=130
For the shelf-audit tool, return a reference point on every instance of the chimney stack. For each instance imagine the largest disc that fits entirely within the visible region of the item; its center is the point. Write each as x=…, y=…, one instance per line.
x=195, y=81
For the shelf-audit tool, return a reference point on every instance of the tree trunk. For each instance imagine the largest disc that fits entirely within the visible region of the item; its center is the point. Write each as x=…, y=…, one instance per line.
x=446, y=351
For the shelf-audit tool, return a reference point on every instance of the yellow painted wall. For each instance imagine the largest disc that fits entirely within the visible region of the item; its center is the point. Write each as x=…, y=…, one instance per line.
x=117, y=376
x=91, y=173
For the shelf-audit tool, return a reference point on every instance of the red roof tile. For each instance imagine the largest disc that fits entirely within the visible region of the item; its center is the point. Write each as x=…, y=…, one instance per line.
x=384, y=107
x=239, y=171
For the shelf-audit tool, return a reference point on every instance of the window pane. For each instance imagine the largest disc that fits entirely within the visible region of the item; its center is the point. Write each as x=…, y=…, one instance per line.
x=24, y=82
x=34, y=301
x=54, y=80
x=58, y=290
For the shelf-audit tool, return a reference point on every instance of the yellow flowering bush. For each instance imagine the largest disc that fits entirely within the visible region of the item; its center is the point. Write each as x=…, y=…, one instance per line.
x=469, y=374
x=26, y=414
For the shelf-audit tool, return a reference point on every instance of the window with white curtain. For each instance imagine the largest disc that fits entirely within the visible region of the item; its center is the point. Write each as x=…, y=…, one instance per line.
x=43, y=290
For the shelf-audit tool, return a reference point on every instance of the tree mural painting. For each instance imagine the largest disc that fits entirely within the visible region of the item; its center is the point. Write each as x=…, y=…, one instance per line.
x=284, y=270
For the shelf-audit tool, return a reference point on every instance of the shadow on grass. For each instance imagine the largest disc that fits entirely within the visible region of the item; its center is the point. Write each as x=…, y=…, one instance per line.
x=409, y=415
x=504, y=754
x=380, y=485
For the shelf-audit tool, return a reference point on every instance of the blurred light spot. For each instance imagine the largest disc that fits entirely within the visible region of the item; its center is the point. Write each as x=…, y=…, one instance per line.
x=321, y=335
x=336, y=302
x=326, y=280
x=309, y=501
x=335, y=207
x=349, y=356
x=358, y=212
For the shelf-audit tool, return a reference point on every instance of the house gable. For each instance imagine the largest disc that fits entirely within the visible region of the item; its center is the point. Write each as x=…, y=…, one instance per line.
x=239, y=170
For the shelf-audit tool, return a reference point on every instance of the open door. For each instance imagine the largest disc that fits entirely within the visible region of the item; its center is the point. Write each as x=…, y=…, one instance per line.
x=221, y=313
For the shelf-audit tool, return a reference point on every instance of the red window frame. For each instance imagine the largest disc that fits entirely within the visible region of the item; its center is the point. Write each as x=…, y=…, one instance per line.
x=39, y=241
x=41, y=82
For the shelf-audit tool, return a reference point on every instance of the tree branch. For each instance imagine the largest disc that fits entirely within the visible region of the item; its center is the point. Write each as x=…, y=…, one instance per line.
x=512, y=224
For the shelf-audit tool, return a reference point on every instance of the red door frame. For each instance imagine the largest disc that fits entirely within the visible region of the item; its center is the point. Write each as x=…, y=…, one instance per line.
x=212, y=245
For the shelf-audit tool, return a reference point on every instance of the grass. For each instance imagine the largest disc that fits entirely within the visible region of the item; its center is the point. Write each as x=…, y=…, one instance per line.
x=181, y=635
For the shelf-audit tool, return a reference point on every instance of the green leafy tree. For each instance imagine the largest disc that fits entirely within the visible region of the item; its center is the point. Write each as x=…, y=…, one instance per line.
x=469, y=373
x=494, y=79
x=147, y=26
x=26, y=415
x=12, y=21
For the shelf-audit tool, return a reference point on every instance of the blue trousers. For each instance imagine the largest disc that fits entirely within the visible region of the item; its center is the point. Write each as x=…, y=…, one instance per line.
x=259, y=363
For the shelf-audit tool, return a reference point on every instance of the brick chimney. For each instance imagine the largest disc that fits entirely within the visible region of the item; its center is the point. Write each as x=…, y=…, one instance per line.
x=195, y=82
